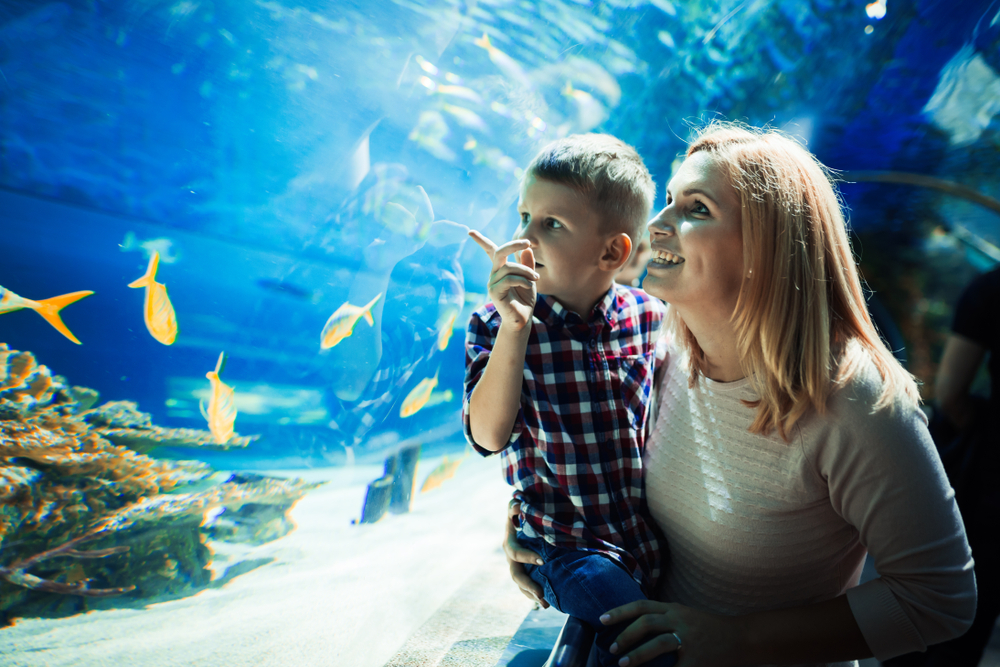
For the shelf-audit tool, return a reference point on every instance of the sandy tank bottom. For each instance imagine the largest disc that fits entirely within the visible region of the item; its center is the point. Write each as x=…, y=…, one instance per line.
x=329, y=593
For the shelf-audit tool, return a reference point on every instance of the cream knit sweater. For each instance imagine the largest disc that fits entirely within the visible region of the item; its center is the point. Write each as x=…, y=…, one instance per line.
x=754, y=523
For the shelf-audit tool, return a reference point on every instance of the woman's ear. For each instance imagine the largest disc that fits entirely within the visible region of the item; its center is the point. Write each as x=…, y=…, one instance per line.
x=616, y=252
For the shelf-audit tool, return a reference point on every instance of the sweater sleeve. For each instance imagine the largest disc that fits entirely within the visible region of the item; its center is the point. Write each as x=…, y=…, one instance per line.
x=885, y=478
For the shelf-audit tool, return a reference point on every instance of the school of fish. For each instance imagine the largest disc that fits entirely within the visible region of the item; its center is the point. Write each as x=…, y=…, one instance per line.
x=160, y=317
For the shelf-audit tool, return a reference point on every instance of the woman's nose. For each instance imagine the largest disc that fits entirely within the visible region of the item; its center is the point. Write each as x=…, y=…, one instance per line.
x=661, y=223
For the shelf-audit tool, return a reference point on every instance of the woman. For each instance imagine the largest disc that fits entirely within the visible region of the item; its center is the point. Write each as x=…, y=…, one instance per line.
x=789, y=441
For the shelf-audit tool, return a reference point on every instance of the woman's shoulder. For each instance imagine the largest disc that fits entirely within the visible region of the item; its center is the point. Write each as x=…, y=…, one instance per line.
x=858, y=393
x=861, y=387
x=859, y=417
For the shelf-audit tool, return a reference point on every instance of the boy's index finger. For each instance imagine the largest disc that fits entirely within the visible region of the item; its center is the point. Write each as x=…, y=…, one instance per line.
x=509, y=248
x=498, y=253
x=515, y=246
x=489, y=246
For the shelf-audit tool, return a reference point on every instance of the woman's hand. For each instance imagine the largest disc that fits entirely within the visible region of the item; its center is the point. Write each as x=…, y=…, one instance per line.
x=707, y=640
x=518, y=555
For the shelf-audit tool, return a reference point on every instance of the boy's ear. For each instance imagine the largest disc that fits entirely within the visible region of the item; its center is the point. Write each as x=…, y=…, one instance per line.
x=616, y=252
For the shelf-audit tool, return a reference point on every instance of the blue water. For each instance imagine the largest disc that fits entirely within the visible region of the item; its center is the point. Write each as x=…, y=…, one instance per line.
x=257, y=146
x=259, y=141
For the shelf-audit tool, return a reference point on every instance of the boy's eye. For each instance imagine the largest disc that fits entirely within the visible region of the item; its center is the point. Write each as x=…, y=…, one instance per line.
x=552, y=223
x=524, y=218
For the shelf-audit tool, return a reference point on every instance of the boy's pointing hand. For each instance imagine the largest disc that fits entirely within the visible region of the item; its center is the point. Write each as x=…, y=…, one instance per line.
x=511, y=285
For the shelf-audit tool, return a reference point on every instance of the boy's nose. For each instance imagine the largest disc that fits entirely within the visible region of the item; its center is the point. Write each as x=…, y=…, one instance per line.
x=524, y=232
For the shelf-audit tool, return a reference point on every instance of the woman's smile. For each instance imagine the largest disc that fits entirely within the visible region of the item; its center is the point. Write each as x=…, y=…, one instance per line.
x=664, y=259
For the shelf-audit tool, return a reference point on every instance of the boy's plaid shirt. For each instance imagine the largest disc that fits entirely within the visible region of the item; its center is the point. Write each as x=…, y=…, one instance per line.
x=575, y=454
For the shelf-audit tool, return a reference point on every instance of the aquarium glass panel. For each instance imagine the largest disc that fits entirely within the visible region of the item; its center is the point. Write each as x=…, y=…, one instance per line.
x=237, y=281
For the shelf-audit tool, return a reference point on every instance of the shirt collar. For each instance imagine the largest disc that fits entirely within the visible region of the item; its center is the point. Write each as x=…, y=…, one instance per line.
x=551, y=312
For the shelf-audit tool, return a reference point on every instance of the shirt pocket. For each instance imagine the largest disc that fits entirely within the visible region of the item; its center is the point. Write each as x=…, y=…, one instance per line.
x=634, y=373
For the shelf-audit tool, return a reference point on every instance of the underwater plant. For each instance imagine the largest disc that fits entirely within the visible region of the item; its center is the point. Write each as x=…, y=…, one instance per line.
x=71, y=474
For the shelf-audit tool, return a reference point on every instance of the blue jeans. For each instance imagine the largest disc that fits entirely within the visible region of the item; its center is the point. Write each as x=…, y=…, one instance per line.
x=586, y=585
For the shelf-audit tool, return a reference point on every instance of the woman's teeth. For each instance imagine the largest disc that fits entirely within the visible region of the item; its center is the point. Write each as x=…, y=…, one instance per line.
x=663, y=257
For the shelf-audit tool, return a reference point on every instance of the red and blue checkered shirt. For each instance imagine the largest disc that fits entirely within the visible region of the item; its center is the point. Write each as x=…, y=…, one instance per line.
x=575, y=453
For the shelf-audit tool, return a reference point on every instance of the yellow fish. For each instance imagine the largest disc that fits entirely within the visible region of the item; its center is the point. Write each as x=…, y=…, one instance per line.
x=157, y=311
x=221, y=413
x=341, y=323
x=590, y=112
x=466, y=117
x=505, y=63
x=418, y=397
x=47, y=308
x=459, y=91
x=445, y=326
x=446, y=470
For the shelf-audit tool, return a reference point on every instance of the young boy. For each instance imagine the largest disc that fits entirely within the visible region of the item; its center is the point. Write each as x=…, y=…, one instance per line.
x=559, y=370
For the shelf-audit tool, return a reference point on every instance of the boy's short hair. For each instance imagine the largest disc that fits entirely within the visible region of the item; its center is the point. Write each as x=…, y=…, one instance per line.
x=607, y=171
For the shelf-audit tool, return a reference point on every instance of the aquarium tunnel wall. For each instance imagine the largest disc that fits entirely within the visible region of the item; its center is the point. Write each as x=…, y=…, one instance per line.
x=255, y=417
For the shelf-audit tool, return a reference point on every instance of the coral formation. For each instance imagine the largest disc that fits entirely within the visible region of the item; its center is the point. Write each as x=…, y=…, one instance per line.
x=70, y=474
x=23, y=383
x=123, y=424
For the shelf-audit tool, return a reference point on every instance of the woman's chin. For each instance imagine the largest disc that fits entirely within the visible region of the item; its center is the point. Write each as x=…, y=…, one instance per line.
x=658, y=282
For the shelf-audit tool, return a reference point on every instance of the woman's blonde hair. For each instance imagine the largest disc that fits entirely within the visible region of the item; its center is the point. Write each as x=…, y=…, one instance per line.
x=801, y=321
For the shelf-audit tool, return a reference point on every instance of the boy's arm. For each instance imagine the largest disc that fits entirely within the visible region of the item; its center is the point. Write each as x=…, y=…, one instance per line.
x=496, y=398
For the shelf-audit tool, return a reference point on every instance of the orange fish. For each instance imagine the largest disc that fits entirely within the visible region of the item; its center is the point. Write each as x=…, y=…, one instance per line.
x=221, y=413
x=341, y=323
x=446, y=470
x=157, y=311
x=445, y=326
x=47, y=308
x=418, y=397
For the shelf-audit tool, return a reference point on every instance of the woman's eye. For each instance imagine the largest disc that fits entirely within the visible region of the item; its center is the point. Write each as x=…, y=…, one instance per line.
x=699, y=208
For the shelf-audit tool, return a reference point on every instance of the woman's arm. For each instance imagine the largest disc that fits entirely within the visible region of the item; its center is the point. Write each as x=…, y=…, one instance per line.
x=821, y=632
